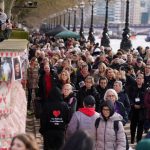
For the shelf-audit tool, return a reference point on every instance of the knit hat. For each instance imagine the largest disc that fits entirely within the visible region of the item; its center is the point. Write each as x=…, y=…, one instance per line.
x=143, y=145
x=89, y=100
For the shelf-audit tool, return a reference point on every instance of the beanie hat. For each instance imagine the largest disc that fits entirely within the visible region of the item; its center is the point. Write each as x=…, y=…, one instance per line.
x=89, y=100
x=110, y=105
x=143, y=145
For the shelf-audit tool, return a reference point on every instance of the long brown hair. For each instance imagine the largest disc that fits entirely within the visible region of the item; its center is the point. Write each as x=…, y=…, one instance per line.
x=28, y=140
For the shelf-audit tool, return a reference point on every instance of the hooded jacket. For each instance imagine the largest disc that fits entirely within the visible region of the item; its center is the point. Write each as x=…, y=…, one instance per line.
x=55, y=114
x=106, y=137
x=84, y=119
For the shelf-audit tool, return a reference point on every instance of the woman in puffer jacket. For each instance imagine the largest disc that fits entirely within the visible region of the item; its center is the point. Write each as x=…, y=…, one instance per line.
x=106, y=137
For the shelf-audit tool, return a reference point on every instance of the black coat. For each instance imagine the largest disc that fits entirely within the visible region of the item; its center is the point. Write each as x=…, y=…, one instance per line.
x=42, y=85
x=123, y=97
x=54, y=119
x=138, y=93
x=71, y=100
x=83, y=92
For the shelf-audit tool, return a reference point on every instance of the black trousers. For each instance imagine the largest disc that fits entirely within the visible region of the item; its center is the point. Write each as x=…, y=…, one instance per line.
x=30, y=91
x=137, y=125
x=54, y=139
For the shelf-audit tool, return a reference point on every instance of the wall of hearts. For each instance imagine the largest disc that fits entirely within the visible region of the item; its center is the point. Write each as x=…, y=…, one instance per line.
x=13, y=103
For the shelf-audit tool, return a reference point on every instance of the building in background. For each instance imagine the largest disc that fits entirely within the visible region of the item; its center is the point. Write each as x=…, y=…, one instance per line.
x=145, y=11
x=139, y=11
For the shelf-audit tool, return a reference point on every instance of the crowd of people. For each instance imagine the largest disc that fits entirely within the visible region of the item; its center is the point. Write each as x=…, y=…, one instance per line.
x=5, y=25
x=85, y=89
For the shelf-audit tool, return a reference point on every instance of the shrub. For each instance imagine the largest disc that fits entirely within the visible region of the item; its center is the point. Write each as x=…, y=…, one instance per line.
x=17, y=34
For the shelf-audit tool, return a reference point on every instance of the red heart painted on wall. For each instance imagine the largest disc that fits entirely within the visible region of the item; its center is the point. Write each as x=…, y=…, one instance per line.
x=56, y=113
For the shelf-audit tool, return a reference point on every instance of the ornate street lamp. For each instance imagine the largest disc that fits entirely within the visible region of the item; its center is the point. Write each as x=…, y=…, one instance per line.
x=75, y=12
x=81, y=5
x=126, y=42
x=69, y=11
x=91, y=30
x=105, y=38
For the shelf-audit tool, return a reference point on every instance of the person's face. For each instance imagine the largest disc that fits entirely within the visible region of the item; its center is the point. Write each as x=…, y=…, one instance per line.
x=147, y=69
x=85, y=70
x=129, y=58
x=111, y=96
x=103, y=84
x=101, y=69
x=139, y=63
x=110, y=73
x=139, y=80
x=66, y=63
x=106, y=111
x=17, y=68
x=88, y=83
x=117, y=87
x=18, y=145
x=66, y=90
x=64, y=76
x=47, y=69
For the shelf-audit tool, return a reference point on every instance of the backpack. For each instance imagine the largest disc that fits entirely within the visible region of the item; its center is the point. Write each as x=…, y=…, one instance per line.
x=116, y=128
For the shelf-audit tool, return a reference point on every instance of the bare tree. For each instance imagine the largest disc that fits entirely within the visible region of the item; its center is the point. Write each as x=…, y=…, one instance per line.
x=2, y=4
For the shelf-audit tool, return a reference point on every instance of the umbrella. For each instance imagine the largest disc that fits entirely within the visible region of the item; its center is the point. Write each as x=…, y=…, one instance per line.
x=68, y=34
x=58, y=29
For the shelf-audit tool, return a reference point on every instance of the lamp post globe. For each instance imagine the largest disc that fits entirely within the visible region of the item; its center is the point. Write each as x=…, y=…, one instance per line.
x=81, y=5
x=105, y=40
x=91, y=29
x=126, y=44
x=69, y=11
x=75, y=12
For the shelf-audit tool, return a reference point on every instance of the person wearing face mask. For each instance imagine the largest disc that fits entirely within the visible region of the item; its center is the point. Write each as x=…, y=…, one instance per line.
x=106, y=137
x=24, y=142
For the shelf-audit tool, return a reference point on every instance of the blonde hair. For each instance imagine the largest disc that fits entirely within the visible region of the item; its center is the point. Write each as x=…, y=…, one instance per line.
x=68, y=75
x=28, y=140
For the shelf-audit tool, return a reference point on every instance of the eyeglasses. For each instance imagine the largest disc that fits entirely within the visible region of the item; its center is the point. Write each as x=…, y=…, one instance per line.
x=105, y=109
x=110, y=95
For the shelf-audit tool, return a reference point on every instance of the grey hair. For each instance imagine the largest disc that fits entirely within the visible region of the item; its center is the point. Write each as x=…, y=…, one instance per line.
x=110, y=90
x=120, y=83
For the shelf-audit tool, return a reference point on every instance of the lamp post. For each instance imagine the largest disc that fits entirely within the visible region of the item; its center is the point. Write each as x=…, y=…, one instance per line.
x=64, y=23
x=51, y=24
x=60, y=19
x=69, y=11
x=75, y=17
x=91, y=30
x=105, y=38
x=126, y=42
x=82, y=20
x=57, y=19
